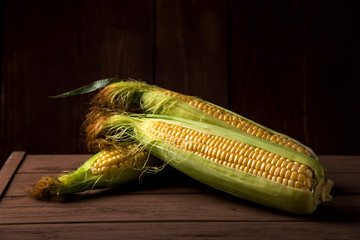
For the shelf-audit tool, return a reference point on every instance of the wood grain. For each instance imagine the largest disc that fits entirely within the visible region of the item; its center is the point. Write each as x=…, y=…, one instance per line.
x=164, y=207
x=170, y=205
x=61, y=162
x=37, y=166
x=189, y=230
x=116, y=39
x=191, y=48
x=331, y=63
x=290, y=65
x=39, y=59
x=266, y=64
x=45, y=163
x=9, y=170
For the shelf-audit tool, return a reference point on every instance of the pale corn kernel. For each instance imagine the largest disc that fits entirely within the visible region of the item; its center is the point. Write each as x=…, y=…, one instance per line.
x=307, y=183
x=309, y=173
x=94, y=171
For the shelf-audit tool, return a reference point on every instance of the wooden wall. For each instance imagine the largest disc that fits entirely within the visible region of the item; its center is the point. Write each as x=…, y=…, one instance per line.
x=292, y=65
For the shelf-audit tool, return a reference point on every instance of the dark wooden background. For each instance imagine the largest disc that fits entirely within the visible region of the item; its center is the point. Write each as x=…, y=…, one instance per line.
x=292, y=65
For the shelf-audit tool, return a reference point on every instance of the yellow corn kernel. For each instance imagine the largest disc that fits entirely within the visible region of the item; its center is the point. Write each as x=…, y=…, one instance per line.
x=247, y=159
x=231, y=161
x=127, y=156
x=237, y=121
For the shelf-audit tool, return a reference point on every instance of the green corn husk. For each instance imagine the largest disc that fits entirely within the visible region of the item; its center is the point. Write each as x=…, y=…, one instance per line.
x=120, y=95
x=84, y=179
x=238, y=183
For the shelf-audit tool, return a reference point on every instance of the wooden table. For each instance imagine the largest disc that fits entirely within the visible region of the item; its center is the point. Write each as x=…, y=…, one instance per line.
x=168, y=205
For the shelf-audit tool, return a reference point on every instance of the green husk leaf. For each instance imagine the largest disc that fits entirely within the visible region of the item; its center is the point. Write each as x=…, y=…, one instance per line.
x=152, y=99
x=241, y=184
x=88, y=88
x=82, y=179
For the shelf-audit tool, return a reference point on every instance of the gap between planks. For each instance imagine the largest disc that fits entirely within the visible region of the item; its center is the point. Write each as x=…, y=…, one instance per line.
x=9, y=169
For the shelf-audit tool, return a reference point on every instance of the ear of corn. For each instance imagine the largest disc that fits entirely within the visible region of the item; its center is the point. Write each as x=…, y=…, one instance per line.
x=235, y=162
x=108, y=168
x=156, y=100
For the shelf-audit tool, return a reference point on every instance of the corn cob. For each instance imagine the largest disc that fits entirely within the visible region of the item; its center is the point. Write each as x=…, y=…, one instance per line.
x=108, y=168
x=234, y=162
x=156, y=100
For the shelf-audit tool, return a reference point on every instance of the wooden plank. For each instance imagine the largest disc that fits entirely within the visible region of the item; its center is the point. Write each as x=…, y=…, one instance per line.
x=183, y=230
x=331, y=66
x=191, y=48
x=341, y=169
x=341, y=163
x=171, y=195
x=57, y=163
x=9, y=169
x=266, y=64
x=170, y=181
x=116, y=39
x=166, y=182
x=164, y=207
x=45, y=163
x=39, y=58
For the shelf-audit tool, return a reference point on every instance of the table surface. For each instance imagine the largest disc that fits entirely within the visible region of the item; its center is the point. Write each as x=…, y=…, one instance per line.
x=168, y=205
